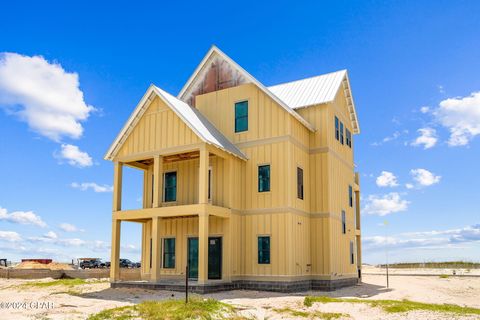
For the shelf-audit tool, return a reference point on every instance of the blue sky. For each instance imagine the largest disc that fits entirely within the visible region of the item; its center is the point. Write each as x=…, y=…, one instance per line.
x=412, y=65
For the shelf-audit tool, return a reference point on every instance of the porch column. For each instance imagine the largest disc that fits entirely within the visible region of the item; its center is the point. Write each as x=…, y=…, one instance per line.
x=156, y=246
x=157, y=181
x=115, y=258
x=203, y=175
x=147, y=188
x=202, y=248
x=117, y=186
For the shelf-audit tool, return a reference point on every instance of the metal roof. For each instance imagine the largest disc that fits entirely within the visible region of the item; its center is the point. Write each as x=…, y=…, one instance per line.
x=310, y=91
x=317, y=90
x=204, y=129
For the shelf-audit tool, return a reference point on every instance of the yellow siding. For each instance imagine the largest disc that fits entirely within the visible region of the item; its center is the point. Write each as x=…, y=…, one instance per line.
x=158, y=128
x=306, y=235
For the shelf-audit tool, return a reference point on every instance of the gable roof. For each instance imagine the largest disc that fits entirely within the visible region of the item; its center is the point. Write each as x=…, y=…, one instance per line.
x=317, y=90
x=205, y=130
x=249, y=78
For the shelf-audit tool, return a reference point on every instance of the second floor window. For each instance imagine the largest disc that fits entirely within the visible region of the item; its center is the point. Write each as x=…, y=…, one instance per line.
x=264, y=178
x=169, y=253
x=170, y=183
x=241, y=116
x=341, y=132
x=337, y=129
x=348, y=138
x=350, y=196
x=300, y=183
x=344, y=222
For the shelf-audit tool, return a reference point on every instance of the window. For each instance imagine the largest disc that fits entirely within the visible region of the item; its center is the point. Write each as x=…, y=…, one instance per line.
x=352, y=255
x=300, y=183
x=264, y=178
x=341, y=132
x=210, y=184
x=348, y=138
x=350, y=196
x=170, y=182
x=241, y=116
x=344, y=223
x=169, y=253
x=264, y=250
x=337, y=130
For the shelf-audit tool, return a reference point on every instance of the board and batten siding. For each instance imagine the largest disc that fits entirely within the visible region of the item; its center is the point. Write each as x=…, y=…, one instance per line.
x=158, y=128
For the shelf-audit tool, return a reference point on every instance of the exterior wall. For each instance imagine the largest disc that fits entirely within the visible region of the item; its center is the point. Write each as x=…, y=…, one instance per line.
x=158, y=128
x=306, y=235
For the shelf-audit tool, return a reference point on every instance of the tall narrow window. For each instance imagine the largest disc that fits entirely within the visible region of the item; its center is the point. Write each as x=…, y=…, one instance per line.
x=352, y=254
x=264, y=178
x=350, y=196
x=348, y=138
x=241, y=116
x=341, y=132
x=264, y=250
x=344, y=222
x=169, y=253
x=337, y=129
x=210, y=184
x=300, y=183
x=170, y=183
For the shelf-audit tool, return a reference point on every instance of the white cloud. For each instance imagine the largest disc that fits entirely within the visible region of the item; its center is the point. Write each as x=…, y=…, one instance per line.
x=67, y=227
x=22, y=217
x=424, y=177
x=409, y=186
x=10, y=236
x=461, y=116
x=43, y=94
x=427, y=138
x=384, y=205
x=394, y=136
x=74, y=156
x=425, y=239
x=425, y=109
x=387, y=179
x=51, y=235
x=92, y=185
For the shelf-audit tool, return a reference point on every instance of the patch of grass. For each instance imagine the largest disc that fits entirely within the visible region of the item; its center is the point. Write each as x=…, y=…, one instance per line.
x=396, y=306
x=60, y=282
x=444, y=276
x=311, y=315
x=196, y=308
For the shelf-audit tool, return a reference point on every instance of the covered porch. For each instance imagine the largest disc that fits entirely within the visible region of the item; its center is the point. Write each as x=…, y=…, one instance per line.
x=200, y=216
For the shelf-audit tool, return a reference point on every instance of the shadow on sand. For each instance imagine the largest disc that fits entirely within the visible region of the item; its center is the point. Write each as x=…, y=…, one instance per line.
x=135, y=295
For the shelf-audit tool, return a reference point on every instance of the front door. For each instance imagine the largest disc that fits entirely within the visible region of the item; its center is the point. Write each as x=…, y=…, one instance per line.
x=192, y=258
x=215, y=258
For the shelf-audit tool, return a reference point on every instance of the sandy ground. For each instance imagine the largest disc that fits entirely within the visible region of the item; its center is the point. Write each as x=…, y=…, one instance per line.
x=94, y=297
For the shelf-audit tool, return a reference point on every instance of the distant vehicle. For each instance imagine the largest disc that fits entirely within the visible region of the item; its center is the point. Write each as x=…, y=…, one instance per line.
x=107, y=264
x=125, y=263
x=138, y=264
x=91, y=264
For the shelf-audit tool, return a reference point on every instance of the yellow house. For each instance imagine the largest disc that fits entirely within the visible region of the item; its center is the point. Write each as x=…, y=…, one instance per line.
x=246, y=185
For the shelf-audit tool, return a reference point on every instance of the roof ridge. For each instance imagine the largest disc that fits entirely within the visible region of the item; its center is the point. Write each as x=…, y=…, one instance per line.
x=308, y=78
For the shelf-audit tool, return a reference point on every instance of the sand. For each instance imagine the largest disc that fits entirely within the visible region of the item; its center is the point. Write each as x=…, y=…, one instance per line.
x=37, y=265
x=95, y=297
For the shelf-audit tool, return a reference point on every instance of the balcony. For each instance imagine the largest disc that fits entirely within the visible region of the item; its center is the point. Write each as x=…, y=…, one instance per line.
x=199, y=182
